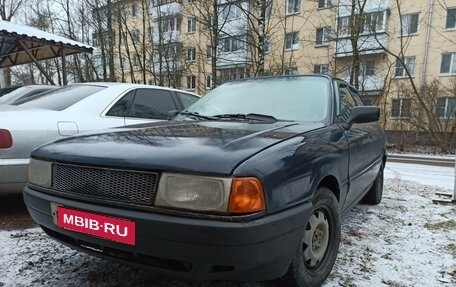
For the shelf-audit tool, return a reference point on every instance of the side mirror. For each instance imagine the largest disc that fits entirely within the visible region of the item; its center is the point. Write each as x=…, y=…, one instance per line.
x=363, y=114
x=172, y=114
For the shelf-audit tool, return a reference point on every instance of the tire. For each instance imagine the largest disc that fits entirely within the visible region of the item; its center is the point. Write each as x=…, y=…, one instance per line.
x=375, y=193
x=312, y=265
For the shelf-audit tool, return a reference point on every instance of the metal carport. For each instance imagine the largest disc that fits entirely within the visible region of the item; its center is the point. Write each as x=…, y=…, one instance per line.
x=21, y=44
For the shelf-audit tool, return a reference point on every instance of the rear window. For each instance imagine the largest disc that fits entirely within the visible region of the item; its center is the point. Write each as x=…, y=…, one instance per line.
x=62, y=98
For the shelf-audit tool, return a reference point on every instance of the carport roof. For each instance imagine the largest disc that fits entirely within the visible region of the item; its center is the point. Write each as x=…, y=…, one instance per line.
x=21, y=44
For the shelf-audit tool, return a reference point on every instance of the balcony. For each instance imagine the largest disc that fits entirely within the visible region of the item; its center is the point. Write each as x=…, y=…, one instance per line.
x=369, y=85
x=165, y=37
x=168, y=66
x=232, y=59
x=166, y=9
x=367, y=45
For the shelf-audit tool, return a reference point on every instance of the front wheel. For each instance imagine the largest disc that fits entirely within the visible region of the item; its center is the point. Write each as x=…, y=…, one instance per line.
x=318, y=249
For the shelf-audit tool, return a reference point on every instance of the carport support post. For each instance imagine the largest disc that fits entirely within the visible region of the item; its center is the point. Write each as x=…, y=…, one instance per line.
x=64, y=71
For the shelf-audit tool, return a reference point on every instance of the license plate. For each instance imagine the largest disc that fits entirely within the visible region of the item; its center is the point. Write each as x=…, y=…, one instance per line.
x=106, y=227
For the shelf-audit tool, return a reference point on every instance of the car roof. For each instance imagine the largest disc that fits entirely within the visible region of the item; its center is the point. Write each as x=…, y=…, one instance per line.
x=130, y=85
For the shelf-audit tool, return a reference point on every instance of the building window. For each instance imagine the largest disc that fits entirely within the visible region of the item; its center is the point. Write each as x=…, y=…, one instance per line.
x=163, y=2
x=231, y=44
x=231, y=12
x=169, y=52
x=291, y=41
x=136, y=60
x=208, y=81
x=409, y=24
x=291, y=71
x=448, y=65
x=135, y=35
x=268, y=10
x=134, y=10
x=267, y=44
x=122, y=62
x=231, y=74
x=368, y=68
x=322, y=36
x=343, y=26
x=293, y=6
x=95, y=40
x=374, y=22
x=321, y=69
x=122, y=38
x=451, y=18
x=445, y=107
x=209, y=52
x=409, y=63
x=170, y=24
x=400, y=108
x=191, y=25
x=191, y=54
x=191, y=82
x=324, y=4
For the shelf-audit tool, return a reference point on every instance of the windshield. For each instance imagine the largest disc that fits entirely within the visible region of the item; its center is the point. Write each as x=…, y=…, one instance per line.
x=62, y=98
x=284, y=98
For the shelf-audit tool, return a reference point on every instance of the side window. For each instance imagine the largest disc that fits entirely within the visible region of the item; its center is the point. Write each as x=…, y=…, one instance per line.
x=153, y=104
x=346, y=101
x=356, y=97
x=120, y=109
x=187, y=99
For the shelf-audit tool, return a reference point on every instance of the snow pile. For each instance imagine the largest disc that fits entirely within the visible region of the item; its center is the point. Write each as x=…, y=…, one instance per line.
x=404, y=241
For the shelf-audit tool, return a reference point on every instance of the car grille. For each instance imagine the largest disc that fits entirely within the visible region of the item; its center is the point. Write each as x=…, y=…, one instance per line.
x=112, y=184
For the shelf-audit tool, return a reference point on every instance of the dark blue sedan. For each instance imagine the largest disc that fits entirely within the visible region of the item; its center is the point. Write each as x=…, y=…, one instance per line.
x=249, y=183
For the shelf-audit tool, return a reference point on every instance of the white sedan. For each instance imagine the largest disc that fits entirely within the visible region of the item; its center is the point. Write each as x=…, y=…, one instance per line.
x=76, y=109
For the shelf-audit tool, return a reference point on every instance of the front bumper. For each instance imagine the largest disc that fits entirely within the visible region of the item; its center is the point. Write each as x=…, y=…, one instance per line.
x=199, y=249
x=13, y=174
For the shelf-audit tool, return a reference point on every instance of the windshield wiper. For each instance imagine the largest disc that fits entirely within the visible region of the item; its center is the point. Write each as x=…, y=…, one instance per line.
x=197, y=115
x=247, y=117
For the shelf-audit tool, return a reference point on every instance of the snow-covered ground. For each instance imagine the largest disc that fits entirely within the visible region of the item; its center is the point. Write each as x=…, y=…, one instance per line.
x=405, y=241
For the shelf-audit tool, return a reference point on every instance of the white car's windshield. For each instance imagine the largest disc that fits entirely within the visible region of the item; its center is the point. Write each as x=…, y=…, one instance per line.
x=303, y=98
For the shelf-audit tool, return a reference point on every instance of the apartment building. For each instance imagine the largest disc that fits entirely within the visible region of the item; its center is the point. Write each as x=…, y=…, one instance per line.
x=398, y=53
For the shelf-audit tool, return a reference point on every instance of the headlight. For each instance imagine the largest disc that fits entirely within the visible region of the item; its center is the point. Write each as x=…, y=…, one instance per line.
x=40, y=173
x=240, y=195
x=198, y=193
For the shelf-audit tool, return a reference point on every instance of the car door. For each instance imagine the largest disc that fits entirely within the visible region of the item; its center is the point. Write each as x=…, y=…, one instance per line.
x=363, y=164
x=150, y=105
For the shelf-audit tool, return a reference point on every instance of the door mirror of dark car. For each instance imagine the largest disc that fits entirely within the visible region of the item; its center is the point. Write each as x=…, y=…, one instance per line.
x=365, y=114
x=172, y=114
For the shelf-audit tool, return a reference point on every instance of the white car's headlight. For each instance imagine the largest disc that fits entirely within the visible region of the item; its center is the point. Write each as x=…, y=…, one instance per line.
x=190, y=192
x=222, y=195
x=40, y=173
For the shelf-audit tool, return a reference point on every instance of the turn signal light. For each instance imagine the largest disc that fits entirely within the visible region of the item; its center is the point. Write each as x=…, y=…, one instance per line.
x=6, y=141
x=246, y=196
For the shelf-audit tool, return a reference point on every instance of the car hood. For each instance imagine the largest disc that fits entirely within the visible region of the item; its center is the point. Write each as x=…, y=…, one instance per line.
x=215, y=147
